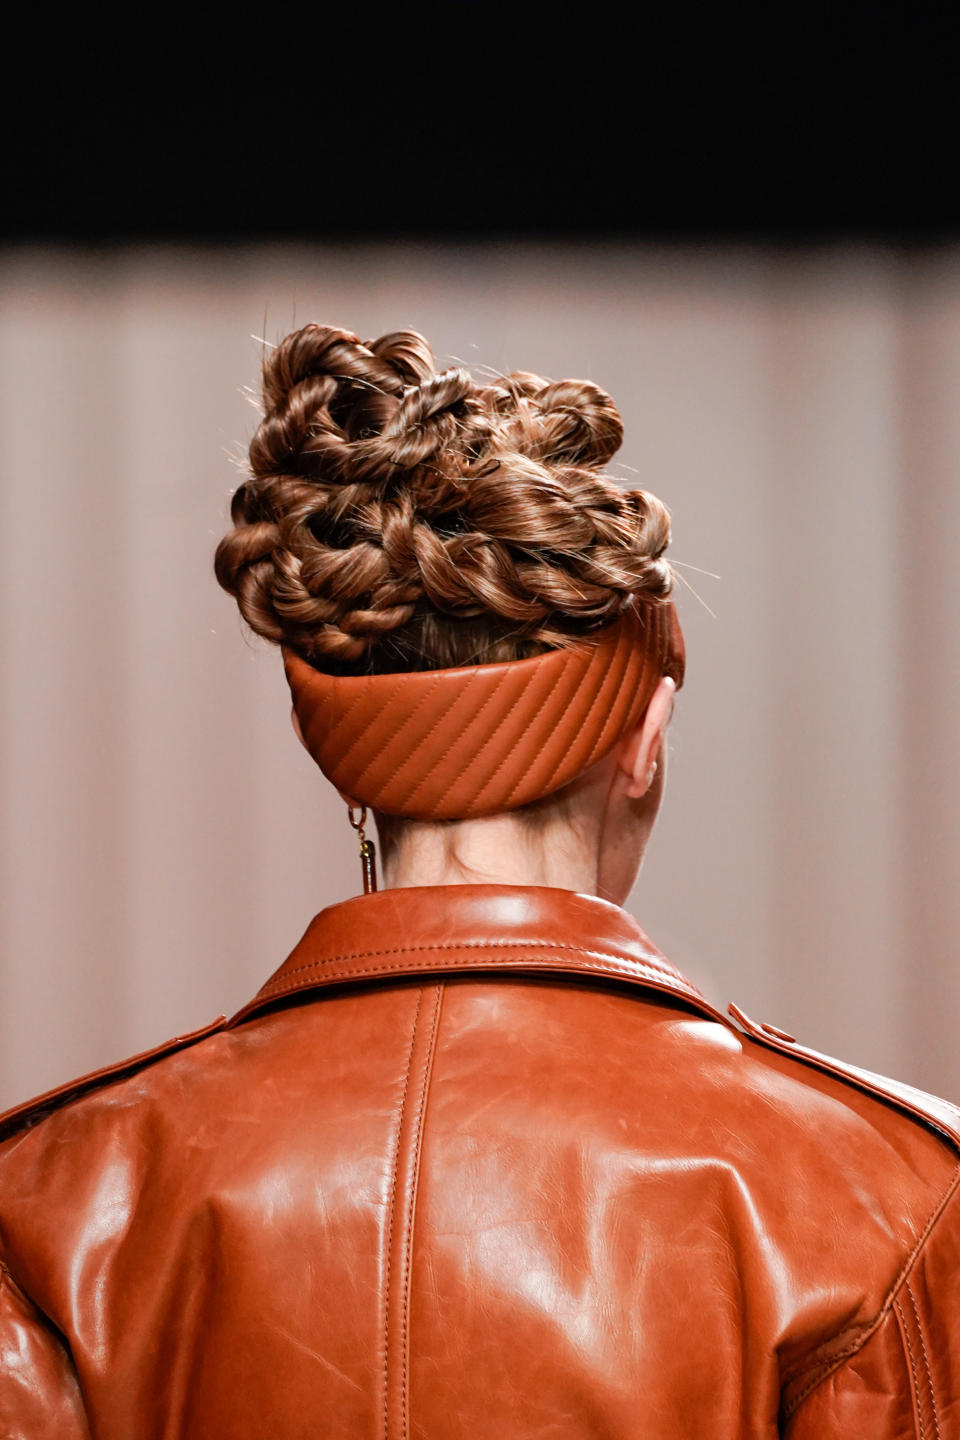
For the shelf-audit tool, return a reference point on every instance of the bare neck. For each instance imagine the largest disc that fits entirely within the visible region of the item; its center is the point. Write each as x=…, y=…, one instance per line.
x=496, y=849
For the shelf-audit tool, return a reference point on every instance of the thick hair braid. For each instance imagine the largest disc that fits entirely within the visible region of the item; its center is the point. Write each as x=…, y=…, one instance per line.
x=390, y=507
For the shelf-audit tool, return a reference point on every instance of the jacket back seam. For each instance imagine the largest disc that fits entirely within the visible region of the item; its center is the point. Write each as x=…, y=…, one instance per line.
x=399, y=1240
x=390, y=1225
x=411, y=1206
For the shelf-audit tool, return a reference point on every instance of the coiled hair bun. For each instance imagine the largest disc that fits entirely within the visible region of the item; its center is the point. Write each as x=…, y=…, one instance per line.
x=400, y=518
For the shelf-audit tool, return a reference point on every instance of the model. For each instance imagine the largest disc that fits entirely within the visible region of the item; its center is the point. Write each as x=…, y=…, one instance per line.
x=476, y=1162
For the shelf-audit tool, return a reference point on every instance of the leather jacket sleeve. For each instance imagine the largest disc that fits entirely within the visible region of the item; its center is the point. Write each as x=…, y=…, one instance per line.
x=896, y=1378
x=39, y=1395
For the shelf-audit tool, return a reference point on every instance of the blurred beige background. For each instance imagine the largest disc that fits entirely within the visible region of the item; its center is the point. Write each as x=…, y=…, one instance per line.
x=164, y=838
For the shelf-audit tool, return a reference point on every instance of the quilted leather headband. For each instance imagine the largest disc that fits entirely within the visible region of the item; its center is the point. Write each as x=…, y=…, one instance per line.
x=449, y=744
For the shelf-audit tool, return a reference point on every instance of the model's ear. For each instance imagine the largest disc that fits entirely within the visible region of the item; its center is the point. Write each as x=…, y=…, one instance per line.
x=639, y=749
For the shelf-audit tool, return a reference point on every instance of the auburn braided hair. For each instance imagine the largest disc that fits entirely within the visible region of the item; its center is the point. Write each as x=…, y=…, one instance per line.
x=397, y=518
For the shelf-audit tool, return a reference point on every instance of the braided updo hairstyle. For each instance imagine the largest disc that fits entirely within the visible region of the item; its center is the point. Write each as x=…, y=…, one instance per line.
x=396, y=518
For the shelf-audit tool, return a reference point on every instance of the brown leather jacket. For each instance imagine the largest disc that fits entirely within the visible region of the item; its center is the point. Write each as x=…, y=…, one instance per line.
x=478, y=1162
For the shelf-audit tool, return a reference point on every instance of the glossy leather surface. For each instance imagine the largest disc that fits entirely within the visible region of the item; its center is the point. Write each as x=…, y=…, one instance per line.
x=477, y=1162
x=444, y=744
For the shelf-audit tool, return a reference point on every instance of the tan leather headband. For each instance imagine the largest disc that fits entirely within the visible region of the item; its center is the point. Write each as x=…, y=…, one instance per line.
x=448, y=744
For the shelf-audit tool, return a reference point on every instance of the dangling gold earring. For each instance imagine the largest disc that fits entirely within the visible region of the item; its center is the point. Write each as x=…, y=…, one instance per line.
x=368, y=851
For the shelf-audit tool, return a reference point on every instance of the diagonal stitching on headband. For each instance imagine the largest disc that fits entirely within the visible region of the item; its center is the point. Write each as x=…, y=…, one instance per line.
x=319, y=689
x=595, y=663
x=362, y=692
x=621, y=654
x=457, y=738
x=466, y=684
x=561, y=674
x=619, y=669
x=603, y=675
x=394, y=734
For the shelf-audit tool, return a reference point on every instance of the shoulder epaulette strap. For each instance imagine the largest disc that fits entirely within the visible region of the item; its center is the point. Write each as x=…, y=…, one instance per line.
x=21, y=1117
x=940, y=1114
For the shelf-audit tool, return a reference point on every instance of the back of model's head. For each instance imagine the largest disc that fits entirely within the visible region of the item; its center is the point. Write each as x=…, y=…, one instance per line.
x=396, y=518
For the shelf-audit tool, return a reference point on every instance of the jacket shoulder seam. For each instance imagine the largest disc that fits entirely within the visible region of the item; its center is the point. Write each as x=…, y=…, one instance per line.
x=813, y=1370
x=31, y=1112
x=931, y=1110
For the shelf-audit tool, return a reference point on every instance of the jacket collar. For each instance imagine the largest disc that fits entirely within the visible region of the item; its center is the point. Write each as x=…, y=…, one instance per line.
x=449, y=929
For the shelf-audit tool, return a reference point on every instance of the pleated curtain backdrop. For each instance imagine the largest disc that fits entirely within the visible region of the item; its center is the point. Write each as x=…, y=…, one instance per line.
x=165, y=839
